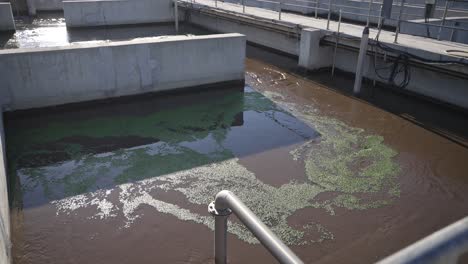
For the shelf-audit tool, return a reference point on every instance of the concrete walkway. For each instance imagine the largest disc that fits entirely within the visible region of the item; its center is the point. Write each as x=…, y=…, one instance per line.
x=420, y=46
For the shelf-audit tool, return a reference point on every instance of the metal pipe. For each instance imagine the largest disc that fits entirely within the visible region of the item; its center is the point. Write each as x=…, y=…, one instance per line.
x=221, y=217
x=336, y=45
x=399, y=21
x=443, y=20
x=279, y=12
x=243, y=6
x=368, y=14
x=453, y=31
x=329, y=13
x=226, y=202
x=443, y=246
x=216, y=3
x=316, y=7
x=176, y=15
x=380, y=18
x=360, y=62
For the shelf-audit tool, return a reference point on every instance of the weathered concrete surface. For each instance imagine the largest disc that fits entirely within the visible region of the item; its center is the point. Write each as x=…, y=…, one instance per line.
x=7, y=23
x=433, y=82
x=44, y=5
x=54, y=76
x=358, y=10
x=311, y=55
x=117, y=12
x=5, y=243
x=423, y=47
x=258, y=35
x=432, y=31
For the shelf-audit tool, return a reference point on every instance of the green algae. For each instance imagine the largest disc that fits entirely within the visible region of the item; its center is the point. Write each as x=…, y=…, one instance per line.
x=345, y=161
x=171, y=127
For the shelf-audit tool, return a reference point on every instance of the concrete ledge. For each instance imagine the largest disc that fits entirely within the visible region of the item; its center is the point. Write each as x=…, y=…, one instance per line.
x=33, y=78
x=311, y=55
x=430, y=83
x=117, y=12
x=44, y=5
x=7, y=23
x=5, y=243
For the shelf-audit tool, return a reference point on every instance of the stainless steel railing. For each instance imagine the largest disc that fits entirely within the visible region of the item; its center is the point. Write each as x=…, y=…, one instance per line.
x=443, y=246
x=226, y=203
x=368, y=13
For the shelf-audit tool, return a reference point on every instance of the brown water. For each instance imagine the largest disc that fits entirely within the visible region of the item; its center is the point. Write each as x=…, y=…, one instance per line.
x=244, y=142
x=433, y=178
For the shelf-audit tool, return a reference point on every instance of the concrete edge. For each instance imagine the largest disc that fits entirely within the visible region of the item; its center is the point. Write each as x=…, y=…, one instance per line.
x=122, y=43
x=5, y=232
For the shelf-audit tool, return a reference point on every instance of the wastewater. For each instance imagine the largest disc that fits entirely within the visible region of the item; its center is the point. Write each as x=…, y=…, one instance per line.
x=339, y=179
x=49, y=30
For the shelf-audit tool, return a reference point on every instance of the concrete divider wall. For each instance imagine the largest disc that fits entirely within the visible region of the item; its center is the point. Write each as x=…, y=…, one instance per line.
x=434, y=84
x=7, y=23
x=5, y=243
x=44, y=5
x=265, y=37
x=54, y=76
x=117, y=12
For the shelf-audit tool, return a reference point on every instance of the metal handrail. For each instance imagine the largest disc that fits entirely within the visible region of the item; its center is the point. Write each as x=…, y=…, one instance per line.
x=332, y=9
x=445, y=246
x=226, y=203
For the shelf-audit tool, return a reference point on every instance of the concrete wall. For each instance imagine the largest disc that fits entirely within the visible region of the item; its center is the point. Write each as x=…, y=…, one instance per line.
x=434, y=84
x=5, y=244
x=53, y=76
x=311, y=55
x=268, y=38
x=358, y=10
x=117, y=12
x=433, y=31
x=7, y=23
x=44, y=5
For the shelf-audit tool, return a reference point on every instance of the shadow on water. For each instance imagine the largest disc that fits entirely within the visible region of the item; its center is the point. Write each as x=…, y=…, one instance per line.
x=437, y=117
x=64, y=151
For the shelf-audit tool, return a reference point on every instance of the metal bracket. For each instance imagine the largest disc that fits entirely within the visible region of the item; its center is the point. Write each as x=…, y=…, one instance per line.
x=222, y=212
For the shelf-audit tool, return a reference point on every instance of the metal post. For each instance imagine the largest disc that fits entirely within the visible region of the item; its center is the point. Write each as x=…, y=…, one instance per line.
x=453, y=30
x=443, y=20
x=369, y=13
x=243, y=6
x=399, y=21
x=336, y=45
x=279, y=11
x=329, y=13
x=380, y=18
x=221, y=217
x=225, y=203
x=176, y=15
x=216, y=3
x=360, y=62
x=316, y=7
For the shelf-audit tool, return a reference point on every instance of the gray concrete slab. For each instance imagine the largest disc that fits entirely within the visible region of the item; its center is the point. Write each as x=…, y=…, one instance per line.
x=117, y=12
x=33, y=78
x=5, y=240
x=417, y=45
x=7, y=23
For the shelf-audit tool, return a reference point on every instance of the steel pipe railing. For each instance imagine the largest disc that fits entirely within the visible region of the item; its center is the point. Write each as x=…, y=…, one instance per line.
x=443, y=246
x=331, y=9
x=226, y=203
